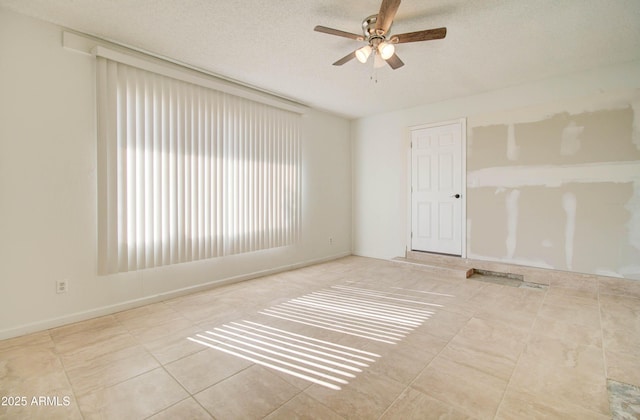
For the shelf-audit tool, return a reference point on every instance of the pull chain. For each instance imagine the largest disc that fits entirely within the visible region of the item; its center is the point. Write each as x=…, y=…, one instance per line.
x=378, y=62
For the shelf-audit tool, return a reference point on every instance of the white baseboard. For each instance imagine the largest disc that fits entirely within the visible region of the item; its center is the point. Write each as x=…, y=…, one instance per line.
x=130, y=304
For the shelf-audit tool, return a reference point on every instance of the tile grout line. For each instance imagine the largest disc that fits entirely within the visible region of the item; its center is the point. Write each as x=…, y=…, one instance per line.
x=425, y=368
x=163, y=366
x=300, y=392
x=515, y=366
x=284, y=403
x=174, y=404
x=139, y=343
x=604, y=353
x=189, y=394
x=66, y=374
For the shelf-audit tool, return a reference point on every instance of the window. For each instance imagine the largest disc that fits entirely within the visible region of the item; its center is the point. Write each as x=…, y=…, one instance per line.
x=187, y=172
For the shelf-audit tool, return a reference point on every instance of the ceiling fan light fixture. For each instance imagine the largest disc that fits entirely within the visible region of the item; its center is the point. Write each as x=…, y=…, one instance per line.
x=363, y=53
x=378, y=62
x=386, y=50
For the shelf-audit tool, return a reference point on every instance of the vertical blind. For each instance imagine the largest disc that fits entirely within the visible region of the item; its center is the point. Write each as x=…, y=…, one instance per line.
x=187, y=172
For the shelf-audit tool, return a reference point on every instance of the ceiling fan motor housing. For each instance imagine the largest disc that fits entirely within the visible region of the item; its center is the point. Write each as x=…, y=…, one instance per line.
x=369, y=31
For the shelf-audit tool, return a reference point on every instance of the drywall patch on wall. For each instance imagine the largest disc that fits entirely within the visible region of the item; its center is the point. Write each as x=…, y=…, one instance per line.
x=569, y=206
x=542, y=222
x=636, y=122
x=489, y=147
x=565, y=139
x=511, y=203
x=601, y=243
x=512, y=147
x=570, y=142
x=590, y=214
x=611, y=100
x=576, y=227
x=632, y=268
x=553, y=176
x=560, y=139
x=576, y=169
x=633, y=226
x=484, y=237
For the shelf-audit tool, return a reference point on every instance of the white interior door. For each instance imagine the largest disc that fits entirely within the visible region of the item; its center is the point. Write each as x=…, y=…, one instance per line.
x=436, y=189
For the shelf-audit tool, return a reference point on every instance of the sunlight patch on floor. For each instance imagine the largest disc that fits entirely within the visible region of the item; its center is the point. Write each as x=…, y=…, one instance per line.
x=385, y=316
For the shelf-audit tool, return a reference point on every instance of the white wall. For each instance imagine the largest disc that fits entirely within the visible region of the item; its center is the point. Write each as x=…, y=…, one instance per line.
x=48, y=203
x=381, y=148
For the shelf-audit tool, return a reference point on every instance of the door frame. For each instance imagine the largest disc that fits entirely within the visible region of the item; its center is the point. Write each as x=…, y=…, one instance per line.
x=463, y=215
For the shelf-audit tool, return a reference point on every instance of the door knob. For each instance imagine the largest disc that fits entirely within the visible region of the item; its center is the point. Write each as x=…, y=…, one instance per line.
x=456, y=196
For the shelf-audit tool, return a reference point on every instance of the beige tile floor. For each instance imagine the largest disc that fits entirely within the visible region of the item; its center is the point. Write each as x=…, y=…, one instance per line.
x=353, y=338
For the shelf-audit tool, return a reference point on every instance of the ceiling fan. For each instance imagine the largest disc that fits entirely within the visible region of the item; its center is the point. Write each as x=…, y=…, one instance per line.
x=375, y=31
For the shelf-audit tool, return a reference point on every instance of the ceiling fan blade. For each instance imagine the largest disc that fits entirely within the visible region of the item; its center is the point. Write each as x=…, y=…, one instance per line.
x=387, y=13
x=338, y=32
x=395, y=62
x=426, y=35
x=345, y=59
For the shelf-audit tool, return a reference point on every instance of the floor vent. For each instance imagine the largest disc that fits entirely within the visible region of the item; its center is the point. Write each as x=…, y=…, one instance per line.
x=504, y=279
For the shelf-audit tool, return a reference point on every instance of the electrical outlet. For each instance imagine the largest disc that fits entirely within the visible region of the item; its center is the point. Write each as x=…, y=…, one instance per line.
x=330, y=241
x=62, y=286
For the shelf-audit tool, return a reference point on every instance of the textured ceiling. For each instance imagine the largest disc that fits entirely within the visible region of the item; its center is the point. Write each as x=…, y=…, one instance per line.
x=271, y=45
